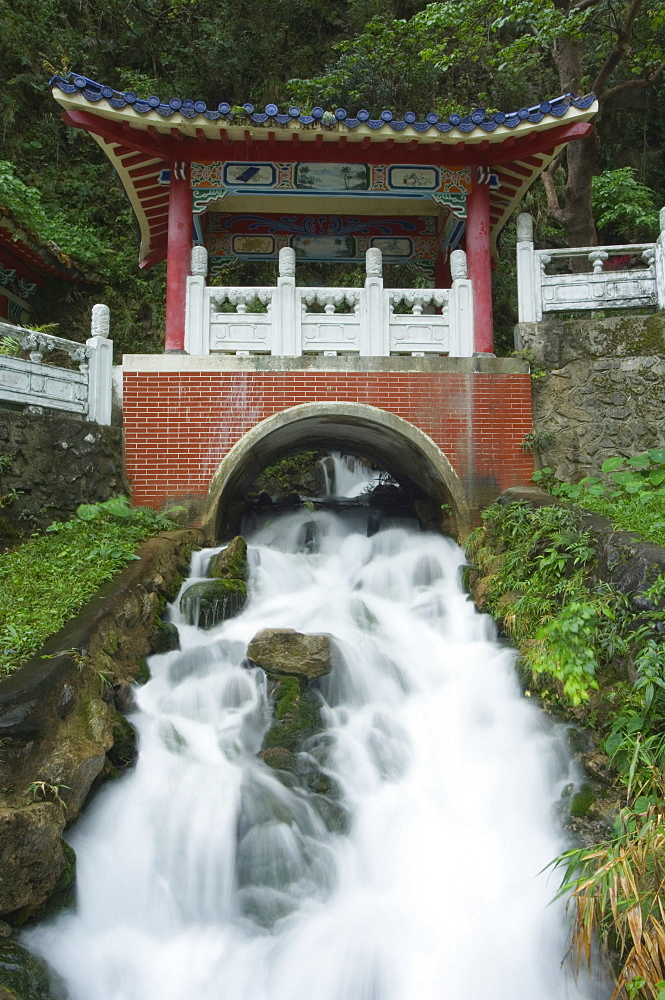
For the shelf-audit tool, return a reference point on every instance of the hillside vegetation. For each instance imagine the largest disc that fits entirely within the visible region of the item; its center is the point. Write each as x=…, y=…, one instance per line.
x=397, y=54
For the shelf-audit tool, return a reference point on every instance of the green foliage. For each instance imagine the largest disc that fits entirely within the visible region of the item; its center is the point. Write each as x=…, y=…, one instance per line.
x=379, y=68
x=286, y=475
x=24, y=202
x=550, y=611
x=624, y=209
x=574, y=636
x=569, y=628
x=41, y=791
x=636, y=501
x=44, y=582
x=616, y=889
x=9, y=347
x=63, y=228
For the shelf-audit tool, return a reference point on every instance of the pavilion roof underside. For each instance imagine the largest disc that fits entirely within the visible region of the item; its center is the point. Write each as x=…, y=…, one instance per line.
x=39, y=258
x=142, y=139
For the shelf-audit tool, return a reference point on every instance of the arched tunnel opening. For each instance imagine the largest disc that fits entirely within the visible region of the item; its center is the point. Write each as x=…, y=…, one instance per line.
x=387, y=441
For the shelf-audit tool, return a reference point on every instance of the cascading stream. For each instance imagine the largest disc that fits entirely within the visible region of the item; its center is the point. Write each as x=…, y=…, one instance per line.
x=203, y=876
x=346, y=475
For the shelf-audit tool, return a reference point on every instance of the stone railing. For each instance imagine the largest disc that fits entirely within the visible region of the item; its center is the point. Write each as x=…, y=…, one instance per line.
x=288, y=321
x=37, y=385
x=617, y=277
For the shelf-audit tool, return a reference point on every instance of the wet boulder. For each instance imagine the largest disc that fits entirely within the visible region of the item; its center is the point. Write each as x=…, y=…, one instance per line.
x=278, y=758
x=231, y=562
x=165, y=639
x=285, y=651
x=296, y=719
x=22, y=976
x=213, y=601
x=31, y=854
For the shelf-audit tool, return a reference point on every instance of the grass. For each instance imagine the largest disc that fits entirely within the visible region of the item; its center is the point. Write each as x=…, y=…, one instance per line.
x=632, y=513
x=634, y=502
x=47, y=580
x=587, y=651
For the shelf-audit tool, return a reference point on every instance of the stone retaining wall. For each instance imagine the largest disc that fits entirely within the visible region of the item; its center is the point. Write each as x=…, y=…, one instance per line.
x=604, y=393
x=54, y=463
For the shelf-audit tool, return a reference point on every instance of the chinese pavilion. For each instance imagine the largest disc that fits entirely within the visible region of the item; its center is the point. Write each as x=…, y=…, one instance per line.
x=26, y=264
x=245, y=183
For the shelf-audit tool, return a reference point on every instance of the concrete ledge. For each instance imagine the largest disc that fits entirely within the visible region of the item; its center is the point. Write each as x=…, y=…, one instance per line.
x=485, y=364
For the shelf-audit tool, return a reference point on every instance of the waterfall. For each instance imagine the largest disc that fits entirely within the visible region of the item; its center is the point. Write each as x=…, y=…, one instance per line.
x=205, y=875
x=346, y=475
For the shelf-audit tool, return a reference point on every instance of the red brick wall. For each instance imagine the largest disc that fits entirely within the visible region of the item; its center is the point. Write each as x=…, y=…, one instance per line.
x=179, y=426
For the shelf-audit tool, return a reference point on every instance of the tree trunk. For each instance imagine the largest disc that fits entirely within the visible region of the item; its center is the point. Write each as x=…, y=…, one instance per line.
x=575, y=213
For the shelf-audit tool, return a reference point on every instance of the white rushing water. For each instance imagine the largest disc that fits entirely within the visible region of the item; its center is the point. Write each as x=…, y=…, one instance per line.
x=347, y=475
x=203, y=876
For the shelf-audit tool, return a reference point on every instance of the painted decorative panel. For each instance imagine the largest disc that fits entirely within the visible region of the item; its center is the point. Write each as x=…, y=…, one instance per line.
x=332, y=179
x=414, y=178
x=332, y=176
x=335, y=237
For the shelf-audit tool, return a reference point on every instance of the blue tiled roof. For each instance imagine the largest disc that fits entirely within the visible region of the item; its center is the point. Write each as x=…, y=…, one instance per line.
x=74, y=83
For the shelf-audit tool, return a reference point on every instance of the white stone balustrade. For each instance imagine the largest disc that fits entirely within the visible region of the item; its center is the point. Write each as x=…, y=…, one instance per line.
x=288, y=321
x=609, y=283
x=37, y=385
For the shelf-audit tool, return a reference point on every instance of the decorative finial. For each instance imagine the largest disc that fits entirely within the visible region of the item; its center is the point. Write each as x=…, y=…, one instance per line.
x=374, y=263
x=101, y=320
x=524, y=228
x=458, y=269
x=287, y=262
x=199, y=266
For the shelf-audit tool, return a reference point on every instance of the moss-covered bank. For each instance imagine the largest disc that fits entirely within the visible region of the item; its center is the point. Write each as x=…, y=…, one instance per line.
x=584, y=606
x=61, y=730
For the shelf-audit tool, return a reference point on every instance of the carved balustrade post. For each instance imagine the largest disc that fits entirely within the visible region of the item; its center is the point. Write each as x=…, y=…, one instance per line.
x=100, y=392
x=286, y=329
x=374, y=309
x=529, y=294
x=659, y=262
x=461, y=307
x=197, y=307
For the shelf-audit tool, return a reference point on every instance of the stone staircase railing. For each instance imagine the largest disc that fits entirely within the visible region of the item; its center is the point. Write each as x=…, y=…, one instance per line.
x=36, y=385
x=631, y=276
x=284, y=320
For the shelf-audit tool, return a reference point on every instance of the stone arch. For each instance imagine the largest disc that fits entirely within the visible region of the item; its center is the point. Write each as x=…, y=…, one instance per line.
x=394, y=444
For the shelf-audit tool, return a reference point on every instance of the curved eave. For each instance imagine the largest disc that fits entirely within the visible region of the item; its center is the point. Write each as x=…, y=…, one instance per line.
x=139, y=175
x=201, y=128
x=515, y=177
x=140, y=146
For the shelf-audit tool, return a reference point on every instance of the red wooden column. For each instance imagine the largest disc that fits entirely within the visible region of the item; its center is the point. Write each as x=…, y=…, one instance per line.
x=179, y=251
x=479, y=262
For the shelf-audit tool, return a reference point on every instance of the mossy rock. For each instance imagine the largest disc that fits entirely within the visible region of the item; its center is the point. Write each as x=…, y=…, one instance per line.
x=166, y=638
x=278, y=758
x=142, y=675
x=123, y=752
x=285, y=651
x=582, y=801
x=62, y=898
x=22, y=976
x=231, y=562
x=213, y=601
x=297, y=714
